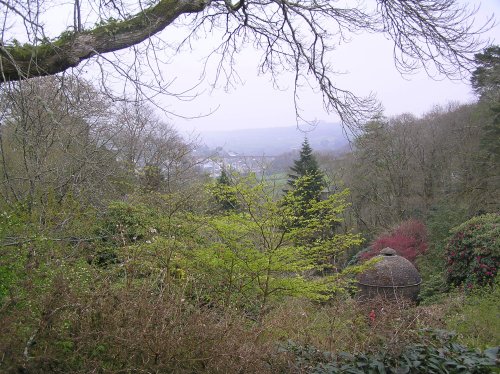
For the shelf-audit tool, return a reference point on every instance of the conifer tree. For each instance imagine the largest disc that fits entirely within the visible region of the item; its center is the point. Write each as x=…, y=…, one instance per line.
x=307, y=165
x=224, y=193
x=485, y=81
x=306, y=182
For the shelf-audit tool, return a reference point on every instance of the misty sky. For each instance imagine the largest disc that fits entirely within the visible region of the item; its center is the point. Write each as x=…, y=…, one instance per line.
x=365, y=65
x=368, y=66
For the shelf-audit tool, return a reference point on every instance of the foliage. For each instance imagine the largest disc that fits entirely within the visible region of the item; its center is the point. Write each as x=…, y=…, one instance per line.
x=476, y=319
x=223, y=193
x=441, y=219
x=247, y=270
x=301, y=199
x=344, y=324
x=113, y=258
x=489, y=140
x=12, y=223
x=135, y=328
x=54, y=142
x=312, y=219
x=249, y=258
x=403, y=166
x=147, y=236
x=437, y=353
x=32, y=241
x=473, y=251
x=432, y=265
x=409, y=240
x=313, y=224
x=152, y=178
x=124, y=222
x=485, y=81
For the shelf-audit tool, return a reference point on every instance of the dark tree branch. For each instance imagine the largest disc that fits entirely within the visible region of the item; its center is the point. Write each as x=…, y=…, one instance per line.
x=27, y=61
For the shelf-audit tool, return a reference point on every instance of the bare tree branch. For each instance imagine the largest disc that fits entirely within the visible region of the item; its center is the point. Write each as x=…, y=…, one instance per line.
x=439, y=36
x=26, y=61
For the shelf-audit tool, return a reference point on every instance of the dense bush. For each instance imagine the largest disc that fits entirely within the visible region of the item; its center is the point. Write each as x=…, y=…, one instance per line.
x=124, y=222
x=409, y=240
x=137, y=329
x=473, y=251
x=345, y=325
x=85, y=320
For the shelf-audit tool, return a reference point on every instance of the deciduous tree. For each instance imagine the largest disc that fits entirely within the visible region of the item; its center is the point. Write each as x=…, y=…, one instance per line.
x=251, y=259
x=55, y=137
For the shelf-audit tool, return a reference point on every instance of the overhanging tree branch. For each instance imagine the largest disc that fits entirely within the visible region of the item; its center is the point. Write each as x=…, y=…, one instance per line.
x=27, y=61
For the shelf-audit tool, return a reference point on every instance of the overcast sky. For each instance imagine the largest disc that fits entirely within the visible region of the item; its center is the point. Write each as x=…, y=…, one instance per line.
x=368, y=67
x=365, y=64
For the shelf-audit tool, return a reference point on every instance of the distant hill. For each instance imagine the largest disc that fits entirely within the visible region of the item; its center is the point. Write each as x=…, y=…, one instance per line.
x=273, y=141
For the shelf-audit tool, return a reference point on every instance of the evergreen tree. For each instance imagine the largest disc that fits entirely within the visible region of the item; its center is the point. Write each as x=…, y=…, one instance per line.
x=485, y=81
x=307, y=165
x=486, y=78
x=224, y=193
x=224, y=178
x=306, y=182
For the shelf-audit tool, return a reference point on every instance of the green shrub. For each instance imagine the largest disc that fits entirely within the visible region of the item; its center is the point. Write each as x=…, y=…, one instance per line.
x=476, y=320
x=473, y=251
x=125, y=222
x=432, y=264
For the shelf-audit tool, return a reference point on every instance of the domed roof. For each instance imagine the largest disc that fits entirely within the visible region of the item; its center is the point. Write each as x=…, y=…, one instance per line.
x=391, y=271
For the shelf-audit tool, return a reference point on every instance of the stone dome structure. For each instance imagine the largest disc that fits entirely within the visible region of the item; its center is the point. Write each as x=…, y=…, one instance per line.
x=392, y=277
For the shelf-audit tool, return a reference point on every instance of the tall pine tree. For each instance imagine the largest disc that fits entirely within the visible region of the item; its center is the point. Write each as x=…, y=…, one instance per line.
x=306, y=182
x=307, y=165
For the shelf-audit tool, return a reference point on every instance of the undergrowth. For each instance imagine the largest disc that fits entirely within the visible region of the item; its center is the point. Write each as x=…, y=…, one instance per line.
x=435, y=352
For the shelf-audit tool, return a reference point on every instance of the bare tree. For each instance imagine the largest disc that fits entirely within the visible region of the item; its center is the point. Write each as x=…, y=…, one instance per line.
x=296, y=36
x=404, y=167
x=153, y=149
x=54, y=140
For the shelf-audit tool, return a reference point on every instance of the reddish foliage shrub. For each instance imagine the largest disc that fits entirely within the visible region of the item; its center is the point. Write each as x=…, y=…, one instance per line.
x=409, y=240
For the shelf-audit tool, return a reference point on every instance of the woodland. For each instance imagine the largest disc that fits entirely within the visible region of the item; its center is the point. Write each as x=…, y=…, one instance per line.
x=118, y=254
